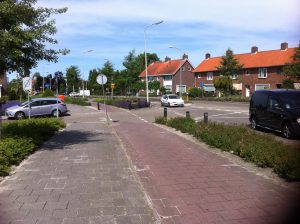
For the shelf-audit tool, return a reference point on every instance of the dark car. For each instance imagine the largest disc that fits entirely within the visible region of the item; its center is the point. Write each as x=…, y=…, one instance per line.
x=278, y=110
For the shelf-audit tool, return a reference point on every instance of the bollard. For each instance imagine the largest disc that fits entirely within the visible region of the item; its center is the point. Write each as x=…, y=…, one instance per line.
x=165, y=112
x=98, y=105
x=187, y=114
x=205, y=117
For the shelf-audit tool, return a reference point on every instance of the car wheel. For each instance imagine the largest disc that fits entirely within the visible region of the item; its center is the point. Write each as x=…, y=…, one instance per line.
x=253, y=123
x=19, y=115
x=287, y=130
x=54, y=113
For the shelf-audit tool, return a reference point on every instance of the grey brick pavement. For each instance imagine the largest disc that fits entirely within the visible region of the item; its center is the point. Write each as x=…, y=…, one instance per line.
x=82, y=175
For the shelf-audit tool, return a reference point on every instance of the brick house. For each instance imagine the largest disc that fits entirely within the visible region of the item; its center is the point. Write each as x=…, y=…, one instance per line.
x=261, y=69
x=168, y=74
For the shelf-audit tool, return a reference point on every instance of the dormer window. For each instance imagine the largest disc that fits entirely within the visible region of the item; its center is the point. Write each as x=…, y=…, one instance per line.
x=234, y=76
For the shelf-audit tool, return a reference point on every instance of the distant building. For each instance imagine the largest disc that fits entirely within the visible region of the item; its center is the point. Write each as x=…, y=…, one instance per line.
x=168, y=74
x=260, y=70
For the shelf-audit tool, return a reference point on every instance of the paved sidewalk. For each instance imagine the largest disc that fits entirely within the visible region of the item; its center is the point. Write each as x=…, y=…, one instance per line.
x=188, y=184
x=82, y=175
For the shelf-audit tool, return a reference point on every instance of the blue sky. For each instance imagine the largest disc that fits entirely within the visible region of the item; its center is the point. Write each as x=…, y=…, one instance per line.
x=112, y=28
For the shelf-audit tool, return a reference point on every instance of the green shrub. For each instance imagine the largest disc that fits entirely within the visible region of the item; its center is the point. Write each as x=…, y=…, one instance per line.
x=77, y=101
x=19, y=139
x=161, y=120
x=263, y=150
x=195, y=92
x=38, y=130
x=48, y=93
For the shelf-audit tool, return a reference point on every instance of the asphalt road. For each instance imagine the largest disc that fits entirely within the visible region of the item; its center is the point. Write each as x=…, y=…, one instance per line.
x=225, y=112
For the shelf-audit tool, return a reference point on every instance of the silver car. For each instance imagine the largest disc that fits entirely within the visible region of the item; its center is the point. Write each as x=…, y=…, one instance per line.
x=38, y=107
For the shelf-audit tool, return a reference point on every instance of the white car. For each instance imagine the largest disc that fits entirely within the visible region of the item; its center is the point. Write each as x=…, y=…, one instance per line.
x=74, y=94
x=172, y=100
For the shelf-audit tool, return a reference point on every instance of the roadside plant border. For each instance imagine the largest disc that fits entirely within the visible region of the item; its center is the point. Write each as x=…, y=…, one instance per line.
x=21, y=138
x=261, y=149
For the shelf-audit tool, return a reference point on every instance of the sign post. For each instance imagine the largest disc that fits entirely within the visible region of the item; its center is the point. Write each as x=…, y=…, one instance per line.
x=27, y=86
x=102, y=79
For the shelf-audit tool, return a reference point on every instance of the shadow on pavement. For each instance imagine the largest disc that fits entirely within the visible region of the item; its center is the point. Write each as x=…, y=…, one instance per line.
x=72, y=137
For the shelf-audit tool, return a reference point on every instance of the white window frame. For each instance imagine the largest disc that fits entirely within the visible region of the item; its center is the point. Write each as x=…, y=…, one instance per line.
x=189, y=68
x=168, y=77
x=210, y=76
x=183, y=68
x=262, y=73
x=199, y=76
x=266, y=86
x=234, y=76
x=247, y=72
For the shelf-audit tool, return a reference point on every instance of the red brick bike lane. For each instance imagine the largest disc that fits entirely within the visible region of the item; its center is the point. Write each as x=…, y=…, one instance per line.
x=189, y=184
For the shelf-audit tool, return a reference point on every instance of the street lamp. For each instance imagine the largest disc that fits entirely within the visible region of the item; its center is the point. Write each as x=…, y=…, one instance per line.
x=146, y=65
x=180, y=74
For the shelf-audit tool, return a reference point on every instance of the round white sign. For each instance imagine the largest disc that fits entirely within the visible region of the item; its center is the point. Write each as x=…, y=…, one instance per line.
x=101, y=79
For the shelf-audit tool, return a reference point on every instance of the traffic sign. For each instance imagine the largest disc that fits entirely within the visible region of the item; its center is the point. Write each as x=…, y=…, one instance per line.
x=101, y=79
x=27, y=84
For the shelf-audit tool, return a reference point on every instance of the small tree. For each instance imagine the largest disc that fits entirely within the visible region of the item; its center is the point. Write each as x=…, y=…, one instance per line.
x=154, y=85
x=229, y=66
x=288, y=84
x=292, y=69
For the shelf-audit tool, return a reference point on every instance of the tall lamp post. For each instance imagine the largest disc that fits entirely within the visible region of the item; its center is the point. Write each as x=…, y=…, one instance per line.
x=146, y=65
x=180, y=72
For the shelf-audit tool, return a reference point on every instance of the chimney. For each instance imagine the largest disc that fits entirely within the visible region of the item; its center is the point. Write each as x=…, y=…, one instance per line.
x=185, y=56
x=207, y=56
x=254, y=50
x=284, y=46
x=167, y=59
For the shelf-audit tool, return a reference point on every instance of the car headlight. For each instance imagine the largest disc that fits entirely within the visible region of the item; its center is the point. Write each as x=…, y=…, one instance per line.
x=298, y=120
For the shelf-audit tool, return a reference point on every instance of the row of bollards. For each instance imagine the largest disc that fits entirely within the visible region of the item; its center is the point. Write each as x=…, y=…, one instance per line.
x=187, y=115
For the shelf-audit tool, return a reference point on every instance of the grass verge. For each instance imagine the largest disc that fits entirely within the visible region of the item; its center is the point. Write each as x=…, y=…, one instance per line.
x=263, y=150
x=77, y=100
x=21, y=138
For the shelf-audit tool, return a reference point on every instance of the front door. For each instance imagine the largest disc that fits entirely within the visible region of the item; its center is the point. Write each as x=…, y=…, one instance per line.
x=247, y=90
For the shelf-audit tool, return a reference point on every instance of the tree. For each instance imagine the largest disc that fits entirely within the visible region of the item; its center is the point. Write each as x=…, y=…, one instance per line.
x=229, y=66
x=25, y=30
x=154, y=85
x=73, y=77
x=292, y=69
x=134, y=65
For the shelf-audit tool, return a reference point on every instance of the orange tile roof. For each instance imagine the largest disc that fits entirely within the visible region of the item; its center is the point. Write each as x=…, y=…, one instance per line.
x=249, y=60
x=163, y=68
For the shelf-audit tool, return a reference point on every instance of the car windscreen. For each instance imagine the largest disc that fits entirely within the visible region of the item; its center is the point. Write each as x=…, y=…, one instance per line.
x=24, y=104
x=291, y=100
x=173, y=97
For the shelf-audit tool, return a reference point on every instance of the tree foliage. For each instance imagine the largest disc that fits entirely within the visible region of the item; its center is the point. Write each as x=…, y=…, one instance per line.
x=292, y=69
x=229, y=66
x=73, y=77
x=25, y=30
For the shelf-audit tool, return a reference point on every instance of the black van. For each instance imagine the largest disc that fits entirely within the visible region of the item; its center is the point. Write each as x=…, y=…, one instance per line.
x=278, y=110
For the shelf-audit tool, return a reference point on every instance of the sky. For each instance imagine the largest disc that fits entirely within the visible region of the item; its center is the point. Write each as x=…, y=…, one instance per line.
x=99, y=30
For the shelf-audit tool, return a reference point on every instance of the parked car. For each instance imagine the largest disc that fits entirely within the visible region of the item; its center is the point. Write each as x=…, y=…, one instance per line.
x=278, y=110
x=38, y=107
x=171, y=100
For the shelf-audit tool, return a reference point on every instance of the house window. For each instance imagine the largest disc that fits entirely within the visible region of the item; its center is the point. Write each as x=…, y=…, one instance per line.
x=279, y=71
x=183, y=68
x=262, y=86
x=189, y=69
x=247, y=72
x=168, y=88
x=234, y=76
x=167, y=78
x=210, y=75
x=198, y=76
x=262, y=73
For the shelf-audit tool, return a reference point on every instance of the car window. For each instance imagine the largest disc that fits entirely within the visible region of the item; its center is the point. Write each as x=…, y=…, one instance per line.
x=44, y=102
x=35, y=103
x=291, y=100
x=173, y=97
x=274, y=104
